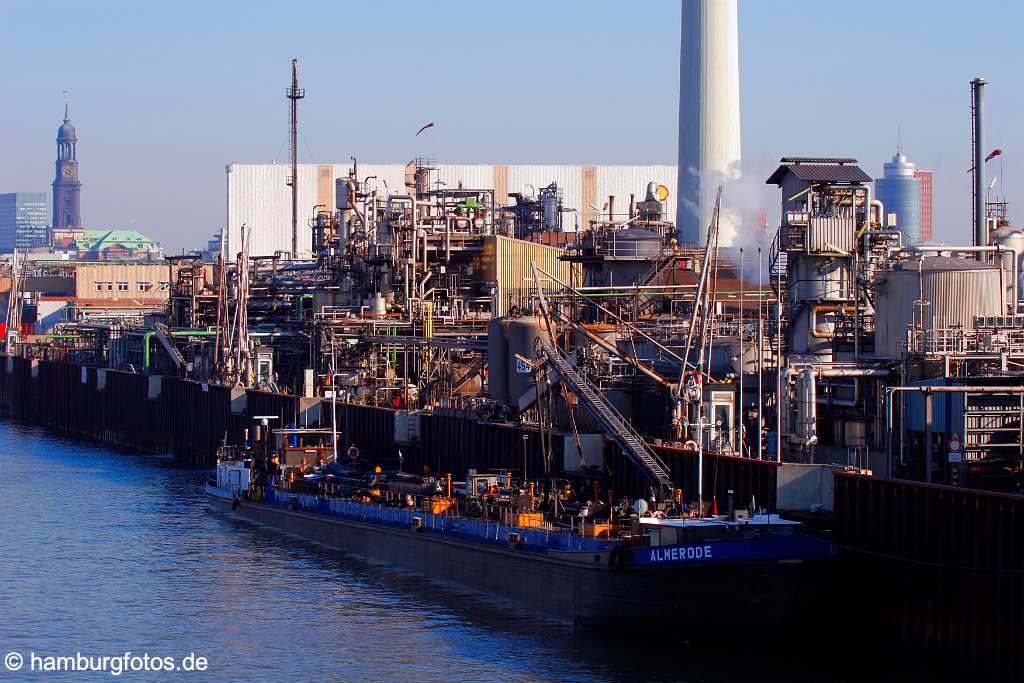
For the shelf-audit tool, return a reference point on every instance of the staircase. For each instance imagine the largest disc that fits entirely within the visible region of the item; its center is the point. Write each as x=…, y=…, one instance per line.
x=653, y=469
x=164, y=335
x=646, y=301
x=777, y=265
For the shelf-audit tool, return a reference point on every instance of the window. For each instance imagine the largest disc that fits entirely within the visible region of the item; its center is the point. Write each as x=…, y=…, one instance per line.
x=122, y=286
x=99, y=286
x=110, y=286
x=144, y=286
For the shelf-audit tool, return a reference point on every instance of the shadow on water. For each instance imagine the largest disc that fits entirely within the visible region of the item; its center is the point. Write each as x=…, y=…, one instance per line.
x=107, y=550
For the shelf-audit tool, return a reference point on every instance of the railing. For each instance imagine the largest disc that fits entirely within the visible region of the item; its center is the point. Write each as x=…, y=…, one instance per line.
x=615, y=425
x=960, y=341
x=485, y=531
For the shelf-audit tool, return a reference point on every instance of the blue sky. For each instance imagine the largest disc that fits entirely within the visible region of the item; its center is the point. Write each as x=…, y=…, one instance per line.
x=165, y=94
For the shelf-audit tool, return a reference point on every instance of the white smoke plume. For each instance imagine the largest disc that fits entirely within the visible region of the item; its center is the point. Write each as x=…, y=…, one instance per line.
x=745, y=200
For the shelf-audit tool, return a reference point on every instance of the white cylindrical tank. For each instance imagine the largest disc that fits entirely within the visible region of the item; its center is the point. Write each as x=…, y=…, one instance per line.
x=937, y=292
x=806, y=408
x=709, y=111
x=1012, y=238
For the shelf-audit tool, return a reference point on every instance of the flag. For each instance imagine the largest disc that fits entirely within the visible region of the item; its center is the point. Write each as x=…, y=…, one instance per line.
x=429, y=125
x=996, y=152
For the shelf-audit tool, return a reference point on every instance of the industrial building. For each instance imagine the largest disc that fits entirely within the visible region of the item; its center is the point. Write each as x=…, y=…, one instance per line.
x=106, y=245
x=23, y=221
x=259, y=197
x=926, y=179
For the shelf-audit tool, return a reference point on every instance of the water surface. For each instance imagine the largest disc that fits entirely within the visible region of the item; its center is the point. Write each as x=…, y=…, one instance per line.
x=104, y=551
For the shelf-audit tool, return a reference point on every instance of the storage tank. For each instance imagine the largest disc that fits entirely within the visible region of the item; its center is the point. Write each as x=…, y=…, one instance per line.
x=634, y=243
x=521, y=334
x=949, y=291
x=1012, y=238
x=633, y=253
x=497, y=359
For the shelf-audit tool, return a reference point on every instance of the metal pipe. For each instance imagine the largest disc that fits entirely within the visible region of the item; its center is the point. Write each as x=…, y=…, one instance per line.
x=742, y=358
x=977, y=110
x=929, y=409
x=877, y=203
x=601, y=308
x=611, y=348
x=423, y=233
x=778, y=358
x=760, y=361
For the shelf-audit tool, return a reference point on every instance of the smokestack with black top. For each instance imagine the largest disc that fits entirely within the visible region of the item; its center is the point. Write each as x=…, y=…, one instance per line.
x=978, y=136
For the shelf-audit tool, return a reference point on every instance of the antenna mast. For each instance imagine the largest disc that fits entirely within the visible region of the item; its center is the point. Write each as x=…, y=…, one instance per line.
x=295, y=93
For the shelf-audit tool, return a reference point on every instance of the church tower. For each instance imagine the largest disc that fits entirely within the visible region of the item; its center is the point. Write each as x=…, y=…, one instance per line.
x=66, y=186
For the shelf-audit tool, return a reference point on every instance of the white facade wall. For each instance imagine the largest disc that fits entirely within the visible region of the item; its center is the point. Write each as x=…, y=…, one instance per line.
x=621, y=181
x=258, y=196
x=471, y=176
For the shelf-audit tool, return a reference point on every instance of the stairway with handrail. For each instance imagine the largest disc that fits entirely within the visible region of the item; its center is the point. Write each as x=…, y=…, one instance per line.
x=614, y=424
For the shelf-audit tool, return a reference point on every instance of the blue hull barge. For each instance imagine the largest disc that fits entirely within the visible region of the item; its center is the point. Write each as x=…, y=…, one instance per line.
x=723, y=571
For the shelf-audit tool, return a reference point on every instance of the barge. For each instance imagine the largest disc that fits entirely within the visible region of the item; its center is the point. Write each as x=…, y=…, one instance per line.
x=644, y=568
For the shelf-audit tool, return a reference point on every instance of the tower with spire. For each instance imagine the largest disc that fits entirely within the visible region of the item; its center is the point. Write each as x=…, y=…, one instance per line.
x=66, y=185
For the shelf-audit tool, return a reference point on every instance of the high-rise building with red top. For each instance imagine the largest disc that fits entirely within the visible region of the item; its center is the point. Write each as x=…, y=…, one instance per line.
x=927, y=232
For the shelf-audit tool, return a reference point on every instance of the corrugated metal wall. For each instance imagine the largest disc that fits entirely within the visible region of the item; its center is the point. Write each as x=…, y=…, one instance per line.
x=507, y=262
x=258, y=196
x=954, y=296
x=957, y=296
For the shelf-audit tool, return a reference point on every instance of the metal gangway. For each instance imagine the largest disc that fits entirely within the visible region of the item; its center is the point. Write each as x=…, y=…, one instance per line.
x=614, y=424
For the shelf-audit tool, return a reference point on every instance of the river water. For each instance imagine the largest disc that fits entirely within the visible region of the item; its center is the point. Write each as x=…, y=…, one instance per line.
x=104, y=551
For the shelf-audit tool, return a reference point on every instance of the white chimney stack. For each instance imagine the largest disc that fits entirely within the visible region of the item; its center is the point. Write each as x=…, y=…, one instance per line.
x=709, y=112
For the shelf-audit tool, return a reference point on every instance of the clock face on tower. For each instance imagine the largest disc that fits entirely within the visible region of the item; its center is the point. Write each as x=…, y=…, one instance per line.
x=67, y=172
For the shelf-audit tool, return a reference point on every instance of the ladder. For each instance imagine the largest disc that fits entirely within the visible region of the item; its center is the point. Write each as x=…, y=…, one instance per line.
x=652, y=467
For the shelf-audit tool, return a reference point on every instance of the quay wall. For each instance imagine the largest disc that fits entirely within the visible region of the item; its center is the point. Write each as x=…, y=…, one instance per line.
x=189, y=420
x=921, y=566
x=935, y=567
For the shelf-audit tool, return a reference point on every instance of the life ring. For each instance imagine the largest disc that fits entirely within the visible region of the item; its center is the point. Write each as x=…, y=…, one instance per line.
x=618, y=558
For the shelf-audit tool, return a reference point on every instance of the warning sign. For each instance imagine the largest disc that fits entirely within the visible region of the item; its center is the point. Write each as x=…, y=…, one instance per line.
x=956, y=448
